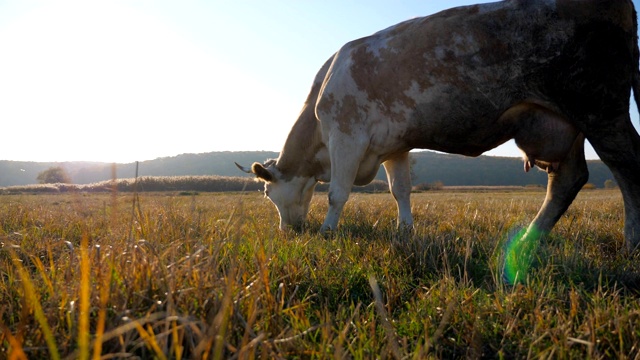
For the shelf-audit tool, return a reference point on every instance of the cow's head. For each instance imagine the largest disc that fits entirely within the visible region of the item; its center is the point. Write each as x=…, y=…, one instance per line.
x=290, y=194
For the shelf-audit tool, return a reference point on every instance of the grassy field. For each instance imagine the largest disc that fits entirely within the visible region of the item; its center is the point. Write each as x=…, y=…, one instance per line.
x=209, y=276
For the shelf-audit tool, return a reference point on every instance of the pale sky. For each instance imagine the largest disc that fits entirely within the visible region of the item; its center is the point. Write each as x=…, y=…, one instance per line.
x=120, y=81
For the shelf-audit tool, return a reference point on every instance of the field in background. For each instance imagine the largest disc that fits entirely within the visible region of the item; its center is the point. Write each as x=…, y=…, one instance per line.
x=209, y=275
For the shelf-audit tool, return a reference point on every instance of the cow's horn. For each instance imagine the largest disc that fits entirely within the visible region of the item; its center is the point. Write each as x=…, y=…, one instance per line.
x=247, y=170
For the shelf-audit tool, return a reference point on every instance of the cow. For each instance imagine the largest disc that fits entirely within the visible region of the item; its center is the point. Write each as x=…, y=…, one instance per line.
x=546, y=73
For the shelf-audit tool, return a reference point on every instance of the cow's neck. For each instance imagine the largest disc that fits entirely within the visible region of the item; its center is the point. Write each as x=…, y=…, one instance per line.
x=304, y=154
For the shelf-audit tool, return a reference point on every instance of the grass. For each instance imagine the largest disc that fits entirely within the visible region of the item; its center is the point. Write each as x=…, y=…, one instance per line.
x=209, y=276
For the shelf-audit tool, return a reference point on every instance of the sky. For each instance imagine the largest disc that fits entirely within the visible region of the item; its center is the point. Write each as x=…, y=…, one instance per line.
x=133, y=80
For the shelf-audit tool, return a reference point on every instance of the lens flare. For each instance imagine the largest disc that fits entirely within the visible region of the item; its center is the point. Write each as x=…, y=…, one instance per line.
x=518, y=255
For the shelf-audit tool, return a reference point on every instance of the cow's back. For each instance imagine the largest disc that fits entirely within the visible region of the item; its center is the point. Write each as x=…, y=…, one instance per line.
x=434, y=81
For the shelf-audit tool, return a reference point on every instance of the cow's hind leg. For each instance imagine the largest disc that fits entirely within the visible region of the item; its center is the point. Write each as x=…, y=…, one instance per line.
x=562, y=187
x=399, y=177
x=618, y=146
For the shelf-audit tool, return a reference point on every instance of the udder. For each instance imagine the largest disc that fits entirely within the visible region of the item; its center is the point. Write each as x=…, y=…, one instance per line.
x=544, y=136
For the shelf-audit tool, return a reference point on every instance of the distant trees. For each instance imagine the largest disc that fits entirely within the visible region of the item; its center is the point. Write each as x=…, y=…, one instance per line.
x=610, y=184
x=436, y=185
x=54, y=175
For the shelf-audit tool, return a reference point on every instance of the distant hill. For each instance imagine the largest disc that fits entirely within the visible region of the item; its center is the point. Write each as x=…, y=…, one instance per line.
x=427, y=167
x=214, y=163
x=460, y=170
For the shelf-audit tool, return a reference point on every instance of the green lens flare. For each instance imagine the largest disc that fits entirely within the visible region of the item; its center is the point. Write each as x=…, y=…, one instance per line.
x=519, y=252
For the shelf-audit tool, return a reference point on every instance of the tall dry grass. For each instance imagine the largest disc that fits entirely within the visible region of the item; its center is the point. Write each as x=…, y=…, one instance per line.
x=209, y=276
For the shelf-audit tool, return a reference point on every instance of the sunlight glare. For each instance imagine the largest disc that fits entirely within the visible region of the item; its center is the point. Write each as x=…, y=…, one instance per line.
x=102, y=81
x=518, y=255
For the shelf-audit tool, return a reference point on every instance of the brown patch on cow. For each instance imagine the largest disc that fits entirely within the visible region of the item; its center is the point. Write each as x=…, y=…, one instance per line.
x=347, y=113
x=384, y=85
x=327, y=104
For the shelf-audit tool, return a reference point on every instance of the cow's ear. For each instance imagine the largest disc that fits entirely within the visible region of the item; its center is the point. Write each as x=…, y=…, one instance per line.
x=261, y=172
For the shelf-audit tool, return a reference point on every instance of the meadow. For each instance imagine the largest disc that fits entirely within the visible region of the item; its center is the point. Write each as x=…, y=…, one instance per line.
x=159, y=275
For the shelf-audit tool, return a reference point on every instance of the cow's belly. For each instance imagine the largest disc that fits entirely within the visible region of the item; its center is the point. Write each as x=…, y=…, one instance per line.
x=467, y=141
x=447, y=129
x=537, y=127
x=368, y=169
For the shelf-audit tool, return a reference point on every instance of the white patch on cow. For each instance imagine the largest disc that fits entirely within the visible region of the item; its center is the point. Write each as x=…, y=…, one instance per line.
x=399, y=107
x=376, y=46
x=414, y=91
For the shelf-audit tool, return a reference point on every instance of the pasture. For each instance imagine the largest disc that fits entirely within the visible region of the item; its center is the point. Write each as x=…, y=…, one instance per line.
x=159, y=275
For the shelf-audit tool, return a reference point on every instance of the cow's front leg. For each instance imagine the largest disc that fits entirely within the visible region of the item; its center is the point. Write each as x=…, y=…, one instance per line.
x=562, y=188
x=346, y=155
x=338, y=196
x=399, y=177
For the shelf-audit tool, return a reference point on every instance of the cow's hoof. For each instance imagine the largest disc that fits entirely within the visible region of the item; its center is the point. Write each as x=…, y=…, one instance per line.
x=326, y=232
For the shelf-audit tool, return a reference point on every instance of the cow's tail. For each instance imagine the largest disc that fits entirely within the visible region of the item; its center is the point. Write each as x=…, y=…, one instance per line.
x=635, y=81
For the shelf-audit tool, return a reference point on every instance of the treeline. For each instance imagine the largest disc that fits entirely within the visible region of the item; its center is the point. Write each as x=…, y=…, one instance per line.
x=180, y=184
x=426, y=167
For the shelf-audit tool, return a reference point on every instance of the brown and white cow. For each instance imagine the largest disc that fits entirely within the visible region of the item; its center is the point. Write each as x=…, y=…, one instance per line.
x=546, y=73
